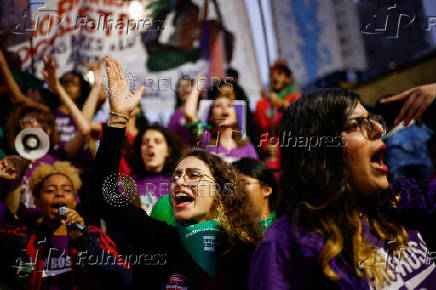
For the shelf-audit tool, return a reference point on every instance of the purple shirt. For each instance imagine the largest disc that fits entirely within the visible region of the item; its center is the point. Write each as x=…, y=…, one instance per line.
x=235, y=154
x=151, y=188
x=57, y=273
x=282, y=261
x=176, y=123
x=67, y=129
x=65, y=126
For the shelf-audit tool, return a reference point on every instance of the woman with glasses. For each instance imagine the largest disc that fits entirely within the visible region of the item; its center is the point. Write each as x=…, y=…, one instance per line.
x=214, y=237
x=344, y=227
x=261, y=187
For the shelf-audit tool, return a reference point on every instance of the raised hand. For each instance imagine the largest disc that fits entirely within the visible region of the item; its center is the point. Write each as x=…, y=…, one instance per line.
x=7, y=170
x=121, y=100
x=12, y=167
x=417, y=100
x=50, y=73
x=190, y=108
x=97, y=69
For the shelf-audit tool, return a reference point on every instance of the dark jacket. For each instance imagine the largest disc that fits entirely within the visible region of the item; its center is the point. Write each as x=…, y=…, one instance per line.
x=26, y=246
x=168, y=263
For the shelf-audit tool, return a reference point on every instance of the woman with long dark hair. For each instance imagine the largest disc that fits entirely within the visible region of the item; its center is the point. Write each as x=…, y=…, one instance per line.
x=222, y=135
x=261, y=187
x=233, y=91
x=343, y=227
x=212, y=243
x=156, y=150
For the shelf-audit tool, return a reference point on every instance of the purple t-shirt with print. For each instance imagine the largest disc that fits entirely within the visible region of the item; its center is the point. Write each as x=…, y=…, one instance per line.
x=67, y=129
x=65, y=126
x=57, y=271
x=284, y=261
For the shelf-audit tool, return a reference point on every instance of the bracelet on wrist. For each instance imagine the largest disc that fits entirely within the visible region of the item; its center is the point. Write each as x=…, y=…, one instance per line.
x=120, y=124
x=119, y=115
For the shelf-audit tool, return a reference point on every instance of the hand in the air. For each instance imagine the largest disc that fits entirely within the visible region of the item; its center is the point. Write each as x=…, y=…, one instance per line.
x=417, y=100
x=50, y=73
x=7, y=170
x=190, y=108
x=12, y=167
x=121, y=100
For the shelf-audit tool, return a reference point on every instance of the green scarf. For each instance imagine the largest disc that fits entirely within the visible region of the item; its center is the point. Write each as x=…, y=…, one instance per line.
x=199, y=242
x=266, y=223
x=285, y=92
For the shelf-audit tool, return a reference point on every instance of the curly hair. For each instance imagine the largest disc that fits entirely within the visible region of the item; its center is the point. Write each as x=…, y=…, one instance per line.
x=231, y=205
x=318, y=191
x=13, y=127
x=45, y=170
x=175, y=148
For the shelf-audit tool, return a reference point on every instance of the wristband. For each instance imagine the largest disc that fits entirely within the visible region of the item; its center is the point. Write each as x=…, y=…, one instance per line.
x=200, y=126
x=192, y=125
x=123, y=124
x=119, y=115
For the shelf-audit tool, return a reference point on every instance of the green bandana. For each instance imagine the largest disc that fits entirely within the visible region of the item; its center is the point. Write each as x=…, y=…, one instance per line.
x=285, y=92
x=266, y=223
x=199, y=242
x=163, y=210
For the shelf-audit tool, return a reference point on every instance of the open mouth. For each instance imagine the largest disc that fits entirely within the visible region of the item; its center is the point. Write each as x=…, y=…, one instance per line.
x=182, y=199
x=377, y=160
x=150, y=155
x=57, y=205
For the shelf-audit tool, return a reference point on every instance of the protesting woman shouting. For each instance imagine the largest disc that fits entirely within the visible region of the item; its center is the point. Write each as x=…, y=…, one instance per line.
x=212, y=243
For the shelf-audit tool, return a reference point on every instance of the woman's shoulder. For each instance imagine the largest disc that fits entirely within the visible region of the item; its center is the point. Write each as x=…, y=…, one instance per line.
x=285, y=238
x=280, y=231
x=176, y=115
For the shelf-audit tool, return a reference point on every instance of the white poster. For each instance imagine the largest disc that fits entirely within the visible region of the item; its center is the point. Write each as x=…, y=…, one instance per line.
x=157, y=41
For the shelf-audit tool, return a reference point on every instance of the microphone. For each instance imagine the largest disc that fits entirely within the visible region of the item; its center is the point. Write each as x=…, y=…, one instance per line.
x=62, y=214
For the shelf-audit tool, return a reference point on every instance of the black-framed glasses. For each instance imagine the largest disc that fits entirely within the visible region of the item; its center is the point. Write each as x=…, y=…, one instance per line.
x=191, y=177
x=370, y=127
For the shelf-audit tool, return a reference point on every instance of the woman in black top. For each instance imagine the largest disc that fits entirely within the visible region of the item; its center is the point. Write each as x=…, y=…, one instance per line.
x=211, y=246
